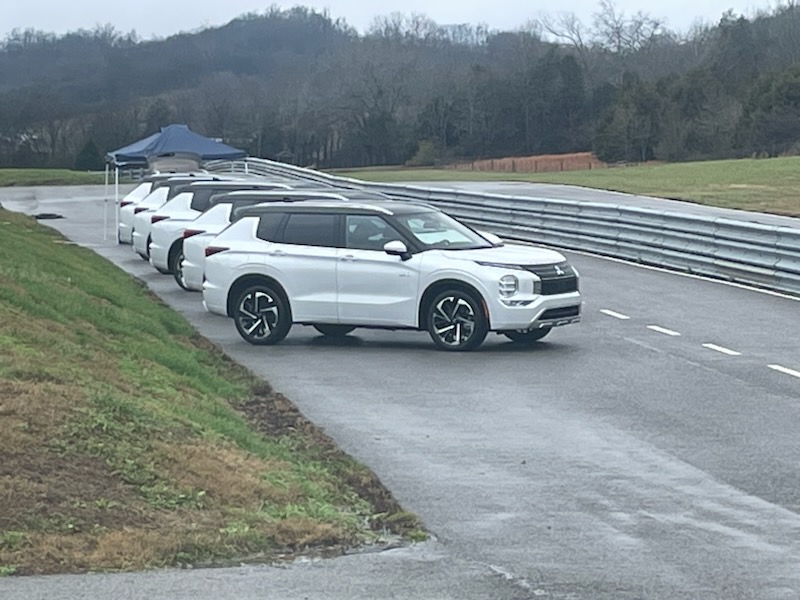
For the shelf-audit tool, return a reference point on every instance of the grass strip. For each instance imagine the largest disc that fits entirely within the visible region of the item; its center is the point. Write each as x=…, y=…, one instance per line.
x=127, y=441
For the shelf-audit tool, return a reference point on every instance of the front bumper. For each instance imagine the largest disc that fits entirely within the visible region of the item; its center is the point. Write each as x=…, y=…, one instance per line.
x=545, y=311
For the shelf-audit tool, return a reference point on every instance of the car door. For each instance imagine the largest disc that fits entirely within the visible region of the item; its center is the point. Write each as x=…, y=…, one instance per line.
x=306, y=262
x=375, y=288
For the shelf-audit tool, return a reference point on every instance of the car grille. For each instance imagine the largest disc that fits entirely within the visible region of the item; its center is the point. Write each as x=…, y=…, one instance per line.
x=556, y=279
x=560, y=313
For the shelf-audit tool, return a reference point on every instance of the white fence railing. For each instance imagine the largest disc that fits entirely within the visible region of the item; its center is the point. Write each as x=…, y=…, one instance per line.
x=745, y=252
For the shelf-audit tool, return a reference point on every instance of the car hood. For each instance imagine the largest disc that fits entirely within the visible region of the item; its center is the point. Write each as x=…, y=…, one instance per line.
x=508, y=255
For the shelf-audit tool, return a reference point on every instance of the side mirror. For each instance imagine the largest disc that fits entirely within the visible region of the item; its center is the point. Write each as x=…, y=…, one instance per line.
x=397, y=248
x=492, y=238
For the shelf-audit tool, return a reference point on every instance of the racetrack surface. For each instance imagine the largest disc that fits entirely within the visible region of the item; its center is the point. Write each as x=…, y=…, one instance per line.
x=650, y=452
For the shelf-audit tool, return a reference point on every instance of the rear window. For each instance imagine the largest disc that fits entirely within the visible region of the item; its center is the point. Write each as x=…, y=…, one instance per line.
x=201, y=199
x=268, y=226
x=308, y=229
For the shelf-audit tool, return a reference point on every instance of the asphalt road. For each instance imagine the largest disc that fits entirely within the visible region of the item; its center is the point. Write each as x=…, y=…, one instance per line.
x=650, y=452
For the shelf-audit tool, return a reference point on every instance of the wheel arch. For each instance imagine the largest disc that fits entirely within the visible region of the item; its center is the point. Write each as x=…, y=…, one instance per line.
x=245, y=281
x=176, y=247
x=449, y=284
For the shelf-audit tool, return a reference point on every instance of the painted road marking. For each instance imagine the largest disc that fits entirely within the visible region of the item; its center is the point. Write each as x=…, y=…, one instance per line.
x=663, y=330
x=722, y=349
x=616, y=315
x=785, y=371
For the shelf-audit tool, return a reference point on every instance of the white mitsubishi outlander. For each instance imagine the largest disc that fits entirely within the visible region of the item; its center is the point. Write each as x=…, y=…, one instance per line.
x=389, y=265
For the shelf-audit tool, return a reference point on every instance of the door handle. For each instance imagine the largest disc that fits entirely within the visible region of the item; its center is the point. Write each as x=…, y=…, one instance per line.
x=278, y=253
x=348, y=258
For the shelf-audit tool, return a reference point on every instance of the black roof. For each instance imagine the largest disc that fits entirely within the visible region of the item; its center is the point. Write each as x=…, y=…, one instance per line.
x=381, y=207
x=252, y=183
x=232, y=186
x=177, y=181
x=289, y=195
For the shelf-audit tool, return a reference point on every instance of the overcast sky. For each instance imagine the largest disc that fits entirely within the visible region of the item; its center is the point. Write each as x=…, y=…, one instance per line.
x=161, y=18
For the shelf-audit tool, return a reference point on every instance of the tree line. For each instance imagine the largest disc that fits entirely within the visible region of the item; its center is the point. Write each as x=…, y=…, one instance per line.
x=299, y=86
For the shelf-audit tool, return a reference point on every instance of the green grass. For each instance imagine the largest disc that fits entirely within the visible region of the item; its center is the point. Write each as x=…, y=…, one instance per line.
x=132, y=442
x=32, y=177
x=762, y=185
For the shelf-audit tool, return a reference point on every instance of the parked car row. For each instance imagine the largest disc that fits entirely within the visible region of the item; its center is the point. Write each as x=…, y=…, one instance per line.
x=270, y=254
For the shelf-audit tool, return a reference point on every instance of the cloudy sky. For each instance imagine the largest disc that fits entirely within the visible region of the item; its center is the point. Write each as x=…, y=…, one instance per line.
x=160, y=18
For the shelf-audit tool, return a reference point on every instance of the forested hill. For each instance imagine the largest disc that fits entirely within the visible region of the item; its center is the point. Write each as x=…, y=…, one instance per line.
x=299, y=85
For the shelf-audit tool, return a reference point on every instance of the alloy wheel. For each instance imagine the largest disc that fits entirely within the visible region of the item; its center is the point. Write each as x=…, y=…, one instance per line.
x=456, y=322
x=262, y=316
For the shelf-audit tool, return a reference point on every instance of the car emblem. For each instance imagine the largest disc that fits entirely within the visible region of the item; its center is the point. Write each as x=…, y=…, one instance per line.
x=559, y=270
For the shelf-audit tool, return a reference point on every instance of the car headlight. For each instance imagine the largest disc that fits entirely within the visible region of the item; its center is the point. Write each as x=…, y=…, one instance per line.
x=508, y=285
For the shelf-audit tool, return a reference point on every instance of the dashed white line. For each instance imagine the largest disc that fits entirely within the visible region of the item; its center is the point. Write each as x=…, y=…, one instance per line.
x=663, y=330
x=785, y=371
x=722, y=350
x=616, y=315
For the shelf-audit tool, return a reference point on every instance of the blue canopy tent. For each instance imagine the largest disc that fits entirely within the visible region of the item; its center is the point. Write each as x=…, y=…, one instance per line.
x=171, y=140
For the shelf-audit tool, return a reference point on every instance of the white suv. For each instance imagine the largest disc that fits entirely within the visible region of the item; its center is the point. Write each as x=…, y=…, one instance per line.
x=385, y=265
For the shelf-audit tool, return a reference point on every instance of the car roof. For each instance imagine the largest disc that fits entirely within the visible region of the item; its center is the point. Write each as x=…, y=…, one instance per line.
x=160, y=175
x=290, y=194
x=385, y=207
x=174, y=182
x=237, y=184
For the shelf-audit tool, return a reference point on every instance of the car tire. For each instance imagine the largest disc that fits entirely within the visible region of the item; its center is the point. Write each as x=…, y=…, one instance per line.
x=332, y=330
x=527, y=336
x=262, y=315
x=455, y=321
x=176, y=266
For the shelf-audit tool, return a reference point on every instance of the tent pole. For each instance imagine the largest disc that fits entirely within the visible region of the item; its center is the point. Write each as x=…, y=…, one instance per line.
x=116, y=202
x=105, y=208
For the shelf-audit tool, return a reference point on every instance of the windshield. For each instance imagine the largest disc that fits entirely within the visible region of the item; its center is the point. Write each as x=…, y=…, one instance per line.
x=433, y=229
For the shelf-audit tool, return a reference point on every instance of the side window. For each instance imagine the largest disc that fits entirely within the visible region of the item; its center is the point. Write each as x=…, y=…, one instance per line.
x=200, y=199
x=268, y=226
x=309, y=229
x=369, y=232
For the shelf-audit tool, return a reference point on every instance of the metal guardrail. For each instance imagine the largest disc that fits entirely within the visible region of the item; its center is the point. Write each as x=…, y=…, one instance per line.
x=739, y=251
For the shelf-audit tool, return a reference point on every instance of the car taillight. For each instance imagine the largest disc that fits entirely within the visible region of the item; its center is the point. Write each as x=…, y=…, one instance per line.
x=139, y=209
x=157, y=218
x=125, y=203
x=187, y=233
x=212, y=250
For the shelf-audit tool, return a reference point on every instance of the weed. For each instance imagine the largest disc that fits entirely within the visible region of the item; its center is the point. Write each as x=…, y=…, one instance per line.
x=12, y=540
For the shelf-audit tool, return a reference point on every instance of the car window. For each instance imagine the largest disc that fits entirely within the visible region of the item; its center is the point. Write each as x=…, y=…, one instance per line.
x=201, y=199
x=308, y=229
x=437, y=230
x=268, y=226
x=369, y=232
